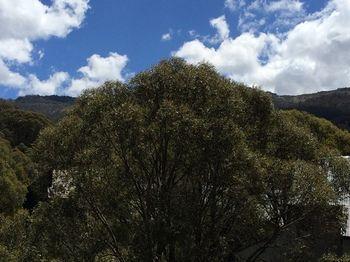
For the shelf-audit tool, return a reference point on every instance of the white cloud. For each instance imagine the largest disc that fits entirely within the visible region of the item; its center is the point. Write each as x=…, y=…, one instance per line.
x=24, y=21
x=98, y=70
x=170, y=34
x=233, y=5
x=105, y=68
x=18, y=50
x=77, y=86
x=289, y=5
x=236, y=58
x=166, y=37
x=50, y=86
x=282, y=15
x=276, y=5
x=222, y=28
x=9, y=78
x=310, y=57
x=222, y=31
x=31, y=19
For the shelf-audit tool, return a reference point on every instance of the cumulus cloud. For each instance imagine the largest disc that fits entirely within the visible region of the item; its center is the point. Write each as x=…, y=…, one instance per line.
x=9, y=78
x=98, y=70
x=50, y=86
x=31, y=19
x=311, y=56
x=105, y=68
x=18, y=50
x=237, y=58
x=25, y=21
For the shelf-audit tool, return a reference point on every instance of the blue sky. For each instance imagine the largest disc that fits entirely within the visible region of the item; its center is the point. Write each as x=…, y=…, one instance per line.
x=65, y=46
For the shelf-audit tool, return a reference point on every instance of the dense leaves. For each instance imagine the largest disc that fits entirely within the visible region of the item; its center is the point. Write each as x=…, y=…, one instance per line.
x=181, y=164
x=333, y=105
x=16, y=175
x=20, y=127
x=325, y=132
x=14, y=171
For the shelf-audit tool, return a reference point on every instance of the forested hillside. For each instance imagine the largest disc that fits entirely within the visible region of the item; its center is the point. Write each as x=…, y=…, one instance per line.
x=53, y=107
x=332, y=105
x=18, y=131
x=20, y=127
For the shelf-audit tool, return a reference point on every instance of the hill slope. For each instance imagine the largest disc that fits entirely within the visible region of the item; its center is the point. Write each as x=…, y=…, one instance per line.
x=333, y=105
x=51, y=106
x=20, y=126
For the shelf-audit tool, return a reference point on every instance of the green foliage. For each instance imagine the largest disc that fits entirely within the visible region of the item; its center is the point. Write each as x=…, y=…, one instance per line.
x=5, y=105
x=332, y=105
x=15, y=176
x=6, y=256
x=334, y=258
x=14, y=244
x=19, y=126
x=14, y=169
x=325, y=132
x=53, y=107
x=21, y=129
x=181, y=164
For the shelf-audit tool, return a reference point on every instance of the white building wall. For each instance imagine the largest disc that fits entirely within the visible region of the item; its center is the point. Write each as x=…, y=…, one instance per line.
x=346, y=203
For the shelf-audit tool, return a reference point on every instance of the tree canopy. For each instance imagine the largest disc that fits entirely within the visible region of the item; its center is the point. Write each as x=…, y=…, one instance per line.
x=182, y=164
x=14, y=169
x=18, y=126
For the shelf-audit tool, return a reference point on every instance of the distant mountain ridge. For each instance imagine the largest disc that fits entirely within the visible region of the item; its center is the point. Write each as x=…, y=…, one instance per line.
x=333, y=105
x=53, y=107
